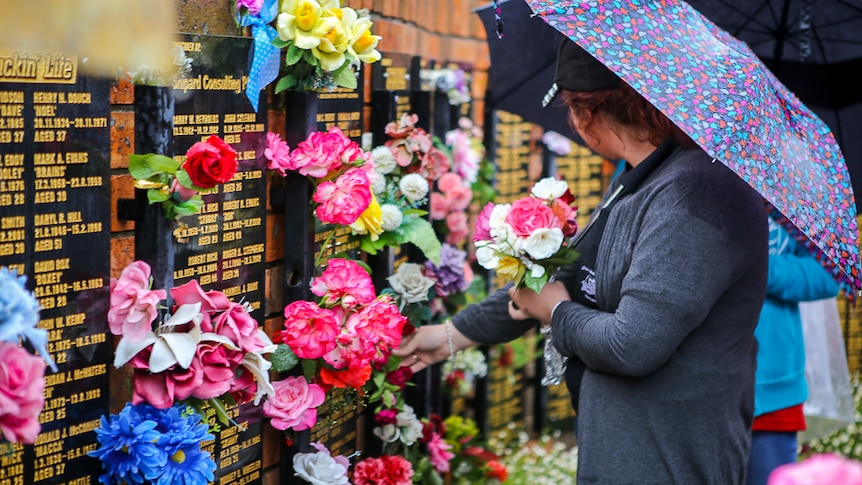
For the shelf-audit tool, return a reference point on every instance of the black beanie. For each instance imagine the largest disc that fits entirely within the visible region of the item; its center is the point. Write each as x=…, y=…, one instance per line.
x=578, y=70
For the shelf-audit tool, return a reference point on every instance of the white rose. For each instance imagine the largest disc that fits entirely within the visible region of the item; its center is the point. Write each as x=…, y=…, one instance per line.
x=549, y=188
x=384, y=160
x=319, y=469
x=487, y=257
x=413, y=186
x=497, y=221
x=411, y=427
x=409, y=282
x=388, y=433
x=390, y=216
x=542, y=243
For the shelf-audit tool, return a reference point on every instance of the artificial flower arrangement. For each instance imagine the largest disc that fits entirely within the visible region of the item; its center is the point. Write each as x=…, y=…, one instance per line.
x=22, y=382
x=324, y=44
x=467, y=152
x=460, y=373
x=453, y=82
x=546, y=460
x=449, y=204
x=472, y=461
x=178, y=185
x=342, y=175
x=527, y=240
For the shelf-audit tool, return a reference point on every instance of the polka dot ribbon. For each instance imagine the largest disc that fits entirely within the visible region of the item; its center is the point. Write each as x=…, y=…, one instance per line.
x=265, y=57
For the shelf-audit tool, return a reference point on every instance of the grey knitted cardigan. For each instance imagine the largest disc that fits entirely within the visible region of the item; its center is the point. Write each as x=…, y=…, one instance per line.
x=668, y=395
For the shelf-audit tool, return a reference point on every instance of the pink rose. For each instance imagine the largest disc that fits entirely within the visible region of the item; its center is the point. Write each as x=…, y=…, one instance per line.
x=277, y=153
x=344, y=282
x=386, y=470
x=459, y=197
x=528, y=214
x=398, y=147
x=345, y=199
x=211, y=301
x=22, y=387
x=236, y=324
x=244, y=386
x=320, y=154
x=439, y=206
x=449, y=181
x=309, y=331
x=294, y=404
x=181, y=192
x=482, y=229
x=456, y=222
x=163, y=389
x=133, y=304
x=823, y=468
x=218, y=365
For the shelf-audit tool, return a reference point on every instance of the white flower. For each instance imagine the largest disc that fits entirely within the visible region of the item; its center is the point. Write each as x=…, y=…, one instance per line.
x=319, y=469
x=384, y=160
x=497, y=221
x=410, y=284
x=542, y=243
x=388, y=433
x=413, y=186
x=411, y=427
x=378, y=185
x=487, y=257
x=391, y=216
x=537, y=271
x=550, y=188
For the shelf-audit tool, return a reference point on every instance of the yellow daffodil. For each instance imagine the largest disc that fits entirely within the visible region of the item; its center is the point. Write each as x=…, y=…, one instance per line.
x=304, y=22
x=370, y=221
x=330, y=51
x=510, y=268
x=361, y=43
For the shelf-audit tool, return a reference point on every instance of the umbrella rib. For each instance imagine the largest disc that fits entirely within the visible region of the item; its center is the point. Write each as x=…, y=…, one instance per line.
x=497, y=99
x=750, y=17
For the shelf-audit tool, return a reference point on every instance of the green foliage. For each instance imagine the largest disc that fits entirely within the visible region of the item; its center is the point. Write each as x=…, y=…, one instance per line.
x=283, y=359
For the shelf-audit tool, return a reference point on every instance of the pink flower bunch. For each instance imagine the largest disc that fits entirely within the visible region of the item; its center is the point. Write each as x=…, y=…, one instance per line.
x=823, y=468
x=465, y=142
x=350, y=329
x=439, y=453
x=341, y=171
x=22, y=386
x=414, y=150
x=209, y=347
x=450, y=204
x=386, y=470
x=526, y=240
x=134, y=305
x=293, y=404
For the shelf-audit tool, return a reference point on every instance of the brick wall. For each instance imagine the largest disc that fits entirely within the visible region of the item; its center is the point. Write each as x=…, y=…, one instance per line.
x=440, y=30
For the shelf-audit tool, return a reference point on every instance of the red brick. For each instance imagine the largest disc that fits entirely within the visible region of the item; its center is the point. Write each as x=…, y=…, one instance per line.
x=122, y=138
x=274, y=291
x=122, y=187
x=479, y=111
x=482, y=59
x=274, y=237
x=480, y=84
x=442, y=16
x=122, y=254
x=460, y=18
x=272, y=325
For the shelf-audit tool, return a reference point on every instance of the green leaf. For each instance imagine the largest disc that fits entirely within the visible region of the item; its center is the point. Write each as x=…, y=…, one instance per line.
x=156, y=195
x=534, y=283
x=161, y=164
x=294, y=54
x=285, y=83
x=414, y=212
x=220, y=410
x=281, y=44
x=138, y=167
x=421, y=234
x=309, y=58
x=345, y=78
x=189, y=207
x=184, y=179
x=368, y=246
x=309, y=369
x=283, y=359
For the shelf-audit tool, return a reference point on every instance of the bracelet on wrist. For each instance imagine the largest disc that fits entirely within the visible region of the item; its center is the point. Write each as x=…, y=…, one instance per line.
x=449, y=340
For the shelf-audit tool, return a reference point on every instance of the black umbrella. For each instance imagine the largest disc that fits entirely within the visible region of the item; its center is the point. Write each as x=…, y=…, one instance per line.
x=815, y=49
x=519, y=78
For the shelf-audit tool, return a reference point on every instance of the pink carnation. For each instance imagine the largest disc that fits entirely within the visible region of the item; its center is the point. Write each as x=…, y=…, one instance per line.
x=211, y=301
x=482, y=230
x=386, y=470
x=22, y=386
x=459, y=197
x=133, y=304
x=344, y=282
x=294, y=404
x=320, y=154
x=449, y=181
x=345, y=199
x=277, y=153
x=528, y=214
x=309, y=331
x=439, y=206
x=824, y=468
x=440, y=454
x=379, y=324
x=456, y=222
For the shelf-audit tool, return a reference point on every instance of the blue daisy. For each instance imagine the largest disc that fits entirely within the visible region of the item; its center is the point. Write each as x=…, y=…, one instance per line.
x=128, y=449
x=181, y=436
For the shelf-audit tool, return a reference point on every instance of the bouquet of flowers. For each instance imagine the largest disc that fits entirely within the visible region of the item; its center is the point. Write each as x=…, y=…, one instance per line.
x=22, y=382
x=178, y=185
x=209, y=350
x=526, y=241
x=350, y=330
x=144, y=444
x=324, y=43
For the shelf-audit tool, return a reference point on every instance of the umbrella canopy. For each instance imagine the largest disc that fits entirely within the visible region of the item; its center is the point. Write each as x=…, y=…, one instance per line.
x=815, y=49
x=716, y=90
x=518, y=77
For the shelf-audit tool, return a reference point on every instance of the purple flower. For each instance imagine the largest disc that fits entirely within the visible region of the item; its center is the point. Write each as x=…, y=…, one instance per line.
x=450, y=272
x=253, y=6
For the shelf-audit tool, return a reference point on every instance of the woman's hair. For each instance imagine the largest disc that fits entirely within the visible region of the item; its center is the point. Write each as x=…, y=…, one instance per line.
x=628, y=108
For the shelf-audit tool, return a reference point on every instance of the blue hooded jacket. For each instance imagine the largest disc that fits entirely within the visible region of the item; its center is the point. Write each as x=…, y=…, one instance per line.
x=794, y=276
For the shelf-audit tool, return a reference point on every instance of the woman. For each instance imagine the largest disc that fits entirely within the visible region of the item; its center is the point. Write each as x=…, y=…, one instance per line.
x=661, y=307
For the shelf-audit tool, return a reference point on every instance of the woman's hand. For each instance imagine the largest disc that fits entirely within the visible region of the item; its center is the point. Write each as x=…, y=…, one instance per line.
x=527, y=304
x=429, y=345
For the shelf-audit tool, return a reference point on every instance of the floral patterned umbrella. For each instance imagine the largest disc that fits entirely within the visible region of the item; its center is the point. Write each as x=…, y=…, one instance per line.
x=717, y=90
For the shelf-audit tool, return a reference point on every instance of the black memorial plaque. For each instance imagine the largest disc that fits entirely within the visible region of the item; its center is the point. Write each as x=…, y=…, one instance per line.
x=504, y=398
x=54, y=228
x=582, y=169
x=390, y=92
x=223, y=246
x=342, y=108
x=511, y=152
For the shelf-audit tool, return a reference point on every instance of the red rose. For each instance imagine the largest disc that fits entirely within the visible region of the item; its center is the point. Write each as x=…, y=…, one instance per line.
x=399, y=377
x=210, y=163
